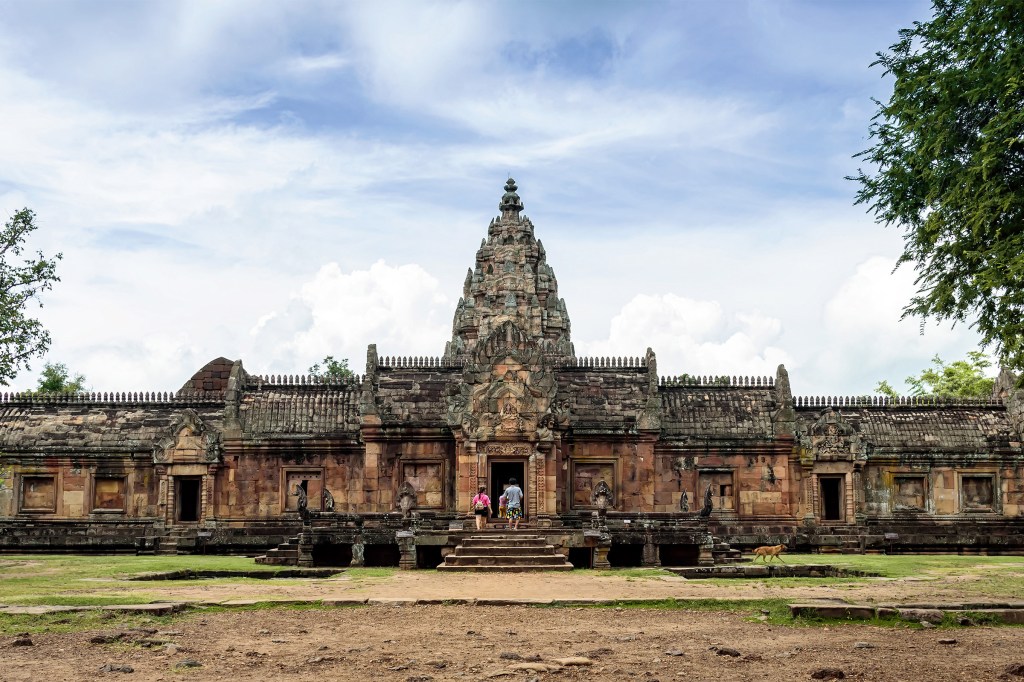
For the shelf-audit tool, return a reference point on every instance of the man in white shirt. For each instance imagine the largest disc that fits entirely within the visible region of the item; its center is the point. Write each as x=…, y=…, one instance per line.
x=514, y=498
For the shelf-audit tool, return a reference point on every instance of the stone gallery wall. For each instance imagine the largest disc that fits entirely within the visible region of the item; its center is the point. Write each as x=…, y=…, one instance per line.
x=235, y=456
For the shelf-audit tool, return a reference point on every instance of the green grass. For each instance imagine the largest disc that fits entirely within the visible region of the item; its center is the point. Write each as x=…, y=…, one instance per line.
x=992, y=576
x=627, y=573
x=99, y=580
x=11, y=624
x=908, y=565
x=61, y=578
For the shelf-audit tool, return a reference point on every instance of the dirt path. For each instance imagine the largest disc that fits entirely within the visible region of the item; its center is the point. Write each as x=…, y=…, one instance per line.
x=420, y=643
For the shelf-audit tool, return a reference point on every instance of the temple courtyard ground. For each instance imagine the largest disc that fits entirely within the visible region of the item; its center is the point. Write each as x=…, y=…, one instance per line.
x=385, y=624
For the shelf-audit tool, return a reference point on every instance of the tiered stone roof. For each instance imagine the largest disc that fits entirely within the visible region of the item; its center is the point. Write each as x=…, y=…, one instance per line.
x=510, y=281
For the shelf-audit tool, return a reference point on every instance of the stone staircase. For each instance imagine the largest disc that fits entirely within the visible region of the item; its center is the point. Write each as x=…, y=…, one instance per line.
x=167, y=545
x=724, y=553
x=285, y=554
x=512, y=552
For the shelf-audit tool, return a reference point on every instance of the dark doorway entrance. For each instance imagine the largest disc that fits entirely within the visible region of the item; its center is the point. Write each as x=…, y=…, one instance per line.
x=186, y=503
x=831, y=498
x=501, y=473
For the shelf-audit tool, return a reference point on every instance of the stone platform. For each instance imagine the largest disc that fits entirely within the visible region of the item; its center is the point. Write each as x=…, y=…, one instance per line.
x=513, y=552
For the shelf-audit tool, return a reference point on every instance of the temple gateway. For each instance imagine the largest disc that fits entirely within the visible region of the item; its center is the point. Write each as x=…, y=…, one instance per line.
x=619, y=466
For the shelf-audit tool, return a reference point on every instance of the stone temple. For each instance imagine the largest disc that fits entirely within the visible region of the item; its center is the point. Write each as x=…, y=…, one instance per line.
x=620, y=466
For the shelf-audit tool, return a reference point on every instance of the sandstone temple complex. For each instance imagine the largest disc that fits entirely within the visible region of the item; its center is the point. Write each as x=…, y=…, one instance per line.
x=619, y=465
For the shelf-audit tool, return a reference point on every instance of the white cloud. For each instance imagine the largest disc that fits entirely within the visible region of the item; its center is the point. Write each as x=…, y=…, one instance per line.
x=864, y=339
x=155, y=155
x=692, y=337
x=400, y=308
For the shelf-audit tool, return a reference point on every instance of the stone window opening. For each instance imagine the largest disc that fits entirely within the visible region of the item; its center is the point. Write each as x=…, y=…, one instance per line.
x=586, y=476
x=109, y=494
x=909, y=493
x=427, y=479
x=39, y=494
x=977, y=492
x=722, y=489
x=310, y=482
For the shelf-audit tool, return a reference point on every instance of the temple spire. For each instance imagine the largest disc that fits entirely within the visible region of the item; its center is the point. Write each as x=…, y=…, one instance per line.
x=511, y=282
x=511, y=205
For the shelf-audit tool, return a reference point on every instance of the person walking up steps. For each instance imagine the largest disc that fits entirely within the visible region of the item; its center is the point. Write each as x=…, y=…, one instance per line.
x=481, y=508
x=514, y=499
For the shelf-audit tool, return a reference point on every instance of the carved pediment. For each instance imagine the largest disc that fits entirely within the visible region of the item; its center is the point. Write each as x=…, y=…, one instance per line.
x=507, y=340
x=832, y=437
x=506, y=392
x=188, y=440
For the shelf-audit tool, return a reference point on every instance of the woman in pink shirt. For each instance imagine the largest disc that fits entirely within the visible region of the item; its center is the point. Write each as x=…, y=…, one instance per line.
x=481, y=507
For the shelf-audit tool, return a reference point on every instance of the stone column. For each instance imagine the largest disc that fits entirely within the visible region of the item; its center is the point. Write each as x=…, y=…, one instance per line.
x=706, y=557
x=645, y=472
x=407, y=549
x=305, y=558
x=371, y=478
x=811, y=497
x=651, y=555
x=358, y=553
x=601, y=556
x=467, y=475
x=534, y=465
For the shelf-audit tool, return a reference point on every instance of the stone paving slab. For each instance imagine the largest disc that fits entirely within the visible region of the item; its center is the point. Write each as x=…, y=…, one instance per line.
x=391, y=601
x=932, y=613
x=42, y=609
x=275, y=602
x=158, y=609
x=345, y=601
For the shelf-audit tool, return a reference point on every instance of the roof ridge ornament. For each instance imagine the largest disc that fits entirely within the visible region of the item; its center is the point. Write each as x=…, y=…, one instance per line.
x=510, y=204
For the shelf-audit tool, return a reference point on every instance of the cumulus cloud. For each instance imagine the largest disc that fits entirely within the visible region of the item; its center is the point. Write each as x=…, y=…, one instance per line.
x=692, y=337
x=400, y=308
x=864, y=339
x=196, y=161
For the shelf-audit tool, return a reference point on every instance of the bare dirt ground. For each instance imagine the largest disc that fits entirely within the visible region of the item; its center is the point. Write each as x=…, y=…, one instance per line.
x=415, y=643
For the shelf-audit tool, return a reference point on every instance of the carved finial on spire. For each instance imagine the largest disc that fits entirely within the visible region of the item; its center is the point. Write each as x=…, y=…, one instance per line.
x=510, y=204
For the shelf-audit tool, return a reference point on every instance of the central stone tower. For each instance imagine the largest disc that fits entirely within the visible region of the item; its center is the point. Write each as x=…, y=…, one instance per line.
x=511, y=282
x=510, y=332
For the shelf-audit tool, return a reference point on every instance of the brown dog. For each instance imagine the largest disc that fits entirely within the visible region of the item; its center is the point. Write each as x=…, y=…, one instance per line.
x=773, y=551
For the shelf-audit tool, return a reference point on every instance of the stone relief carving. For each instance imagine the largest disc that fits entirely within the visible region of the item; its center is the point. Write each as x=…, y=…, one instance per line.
x=188, y=424
x=506, y=391
x=508, y=449
x=406, y=499
x=601, y=497
x=832, y=437
x=709, y=503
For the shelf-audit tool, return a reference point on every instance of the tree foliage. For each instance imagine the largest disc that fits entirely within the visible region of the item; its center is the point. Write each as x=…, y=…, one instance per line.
x=960, y=379
x=330, y=369
x=948, y=155
x=21, y=280
x=55, y=378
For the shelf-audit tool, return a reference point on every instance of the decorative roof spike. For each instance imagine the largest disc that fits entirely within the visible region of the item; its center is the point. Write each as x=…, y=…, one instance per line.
x=510, y=201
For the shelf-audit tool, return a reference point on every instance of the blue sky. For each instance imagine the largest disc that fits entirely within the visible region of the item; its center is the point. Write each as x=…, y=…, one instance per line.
x=282, y=181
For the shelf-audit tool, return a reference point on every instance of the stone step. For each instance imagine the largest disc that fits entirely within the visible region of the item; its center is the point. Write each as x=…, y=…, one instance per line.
x=284, y=553
x=507, y=568
x=528, y=560
x=533, y=542
x=506, y=550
